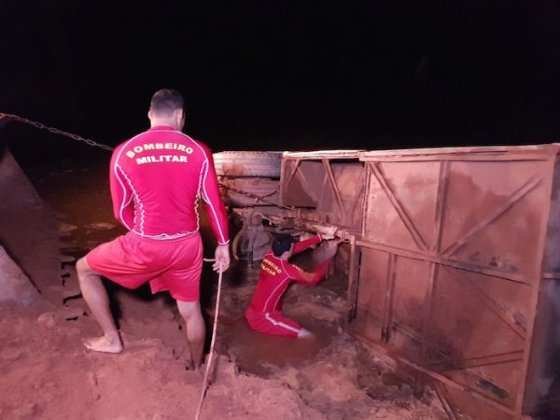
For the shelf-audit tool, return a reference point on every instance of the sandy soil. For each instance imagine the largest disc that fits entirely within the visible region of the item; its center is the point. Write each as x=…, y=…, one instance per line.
x=47, y=374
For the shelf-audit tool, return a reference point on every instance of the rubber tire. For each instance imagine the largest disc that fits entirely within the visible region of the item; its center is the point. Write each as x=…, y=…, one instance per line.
x=241, y=164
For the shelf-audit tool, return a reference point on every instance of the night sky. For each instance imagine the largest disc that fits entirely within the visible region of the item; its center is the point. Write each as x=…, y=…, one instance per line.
x=287, y=75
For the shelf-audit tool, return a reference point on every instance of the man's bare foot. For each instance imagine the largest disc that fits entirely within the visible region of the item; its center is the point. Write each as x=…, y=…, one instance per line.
x=104, y=344
x=303, y=333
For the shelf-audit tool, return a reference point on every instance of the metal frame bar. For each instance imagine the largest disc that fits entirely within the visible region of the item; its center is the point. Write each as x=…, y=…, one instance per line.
x=456, y=158
x=465, y=154
x=439, y=377
x=389, y=298
x=514, y=198
x=420, y=256
x=441, y=199
x=296, y=165
x=330, y=175
x=353, y=281
x=397, y=205
x=322, y=193
x=357, y=203
x=428, y=309
x=365, y=204
x=441, y=393
x=482, y=364
x=483, y=360
x=498, y=311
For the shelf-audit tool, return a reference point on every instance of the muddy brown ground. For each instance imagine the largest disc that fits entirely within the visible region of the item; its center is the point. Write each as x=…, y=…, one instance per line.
x=45, y=373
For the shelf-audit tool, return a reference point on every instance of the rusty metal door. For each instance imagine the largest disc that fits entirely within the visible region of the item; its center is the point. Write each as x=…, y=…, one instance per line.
x=452, y=247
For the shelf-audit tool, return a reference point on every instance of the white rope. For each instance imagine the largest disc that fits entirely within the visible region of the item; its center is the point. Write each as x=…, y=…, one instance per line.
x=211, y=354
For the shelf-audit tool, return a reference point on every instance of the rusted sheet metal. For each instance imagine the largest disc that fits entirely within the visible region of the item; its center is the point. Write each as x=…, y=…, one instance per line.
x=452, y=264
x=328, y=187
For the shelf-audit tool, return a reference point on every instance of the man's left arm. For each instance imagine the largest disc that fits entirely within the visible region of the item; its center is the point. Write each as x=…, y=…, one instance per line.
x=314, y=277
x=306, y=243
x=211, y=196
x=304, y=277
x=217, y=215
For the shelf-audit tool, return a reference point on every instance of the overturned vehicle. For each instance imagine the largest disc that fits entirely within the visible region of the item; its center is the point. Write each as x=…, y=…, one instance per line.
x=450, y=262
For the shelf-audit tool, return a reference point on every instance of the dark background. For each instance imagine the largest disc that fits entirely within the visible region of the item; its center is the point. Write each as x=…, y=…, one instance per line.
x=286, y=75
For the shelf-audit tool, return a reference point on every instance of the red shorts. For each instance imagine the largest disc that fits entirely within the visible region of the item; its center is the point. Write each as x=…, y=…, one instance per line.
x=130, y=260
x=272, y=323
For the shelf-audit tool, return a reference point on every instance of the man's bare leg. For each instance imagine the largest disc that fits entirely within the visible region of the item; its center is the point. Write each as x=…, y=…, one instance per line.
x=195, y=329
x=96, y=297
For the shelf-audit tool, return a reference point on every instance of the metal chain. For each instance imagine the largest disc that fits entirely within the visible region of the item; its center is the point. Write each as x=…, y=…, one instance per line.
x=92, y=143
x=54, y=130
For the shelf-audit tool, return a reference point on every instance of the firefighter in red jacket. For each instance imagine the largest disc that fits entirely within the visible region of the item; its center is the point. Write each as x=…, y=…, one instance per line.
x=157, y=179
x=264, y=313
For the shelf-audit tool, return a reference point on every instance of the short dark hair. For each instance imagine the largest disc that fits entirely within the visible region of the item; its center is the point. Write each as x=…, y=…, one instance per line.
x=166, y=101
x=282, y=243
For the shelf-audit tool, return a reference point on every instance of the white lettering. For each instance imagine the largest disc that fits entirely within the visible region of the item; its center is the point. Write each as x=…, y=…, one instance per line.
x=162, y=159
x=159, y=146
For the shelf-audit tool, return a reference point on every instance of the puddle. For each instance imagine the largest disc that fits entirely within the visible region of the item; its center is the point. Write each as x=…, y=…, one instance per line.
x=260, y=354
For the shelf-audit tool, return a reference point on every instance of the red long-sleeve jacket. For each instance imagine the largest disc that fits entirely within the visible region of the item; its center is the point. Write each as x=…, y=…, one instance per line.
x=277, y=274
x=157, y=179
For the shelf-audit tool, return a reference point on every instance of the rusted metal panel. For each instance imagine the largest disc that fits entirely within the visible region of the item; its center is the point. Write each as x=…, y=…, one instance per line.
x=454, y=242
x=327, y=186
x=445, y=265
x=454, y=261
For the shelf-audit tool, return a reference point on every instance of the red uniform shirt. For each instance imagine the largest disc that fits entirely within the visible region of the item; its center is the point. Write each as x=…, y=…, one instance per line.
x=277, y=274
x=157, y=179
